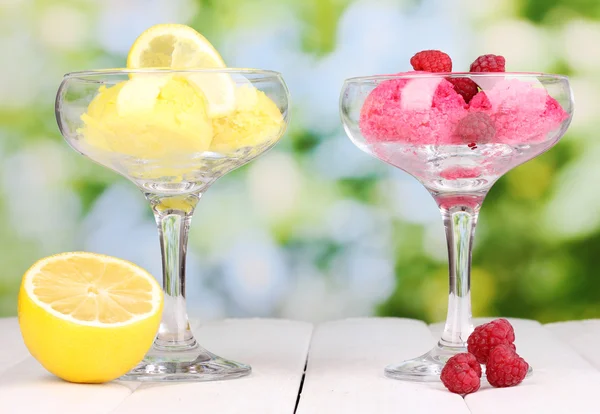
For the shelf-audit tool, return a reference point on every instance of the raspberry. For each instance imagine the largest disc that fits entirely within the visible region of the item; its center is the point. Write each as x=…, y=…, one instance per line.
x=461, y=374
x=431, y=61
x=465, y=87
x=469, y=359
x=489, y=335
x=489, y=63
x=476, y=128
x=505, y=367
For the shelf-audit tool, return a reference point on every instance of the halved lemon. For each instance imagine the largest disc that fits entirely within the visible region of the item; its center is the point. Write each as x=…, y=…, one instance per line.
x=178, y=46
x=88, y=317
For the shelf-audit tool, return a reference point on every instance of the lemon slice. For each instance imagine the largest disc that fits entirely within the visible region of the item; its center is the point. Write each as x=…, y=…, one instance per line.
x=177, y=46
x=88, y=317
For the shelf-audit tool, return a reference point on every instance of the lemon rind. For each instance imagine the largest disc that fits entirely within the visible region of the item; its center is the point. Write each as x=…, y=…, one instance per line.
x=142, y=43
x=186, y=31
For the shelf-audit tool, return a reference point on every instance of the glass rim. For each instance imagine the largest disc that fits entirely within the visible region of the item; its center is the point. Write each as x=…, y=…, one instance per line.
x=482, y=75
x=264, y=73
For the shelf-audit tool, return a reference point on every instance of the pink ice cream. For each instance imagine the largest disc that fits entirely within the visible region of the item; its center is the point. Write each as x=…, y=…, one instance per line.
x=427, y=111
x=455, y=173
x=521, y=112
x=414, y=111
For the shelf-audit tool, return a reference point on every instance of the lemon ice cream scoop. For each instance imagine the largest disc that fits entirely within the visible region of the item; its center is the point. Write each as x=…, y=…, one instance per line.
x=149, y=117
x=255, y=121
x=155, y=116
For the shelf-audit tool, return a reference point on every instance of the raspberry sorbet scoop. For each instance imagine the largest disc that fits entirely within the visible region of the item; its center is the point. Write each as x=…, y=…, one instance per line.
x=419, y=110
x=427, y=111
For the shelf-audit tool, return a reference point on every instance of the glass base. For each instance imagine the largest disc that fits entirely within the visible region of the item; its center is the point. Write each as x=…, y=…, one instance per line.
x=428, y=367
x=188, y=363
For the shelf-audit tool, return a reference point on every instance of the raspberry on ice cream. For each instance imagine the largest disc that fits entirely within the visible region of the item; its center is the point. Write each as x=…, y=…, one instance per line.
x=505, y=367
x=465, y=87
x=477, y=128
x=427, y=111
x=431, y=61
x=489, y=335
x=489, y=63
x=461, y=374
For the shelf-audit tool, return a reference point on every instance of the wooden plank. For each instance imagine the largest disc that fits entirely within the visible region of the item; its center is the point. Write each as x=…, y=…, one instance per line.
x=345, y=373
x=562, y=381
x=547, y=391
x=28, y=388
x=276, y=350
x=13, y=349
x=345, y=370
x=582, y=336
x=537, y=345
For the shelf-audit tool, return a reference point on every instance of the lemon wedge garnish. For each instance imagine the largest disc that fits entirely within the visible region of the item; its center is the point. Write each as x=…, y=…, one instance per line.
x=177, y=46
x=88, y=317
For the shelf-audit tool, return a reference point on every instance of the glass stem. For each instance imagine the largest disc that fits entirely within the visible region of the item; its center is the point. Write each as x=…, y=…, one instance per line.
x=173, y=216
x=460, y=222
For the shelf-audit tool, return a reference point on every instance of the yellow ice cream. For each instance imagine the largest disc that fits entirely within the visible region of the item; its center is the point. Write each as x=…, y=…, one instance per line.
x=156, y=117
x=256, y=120
x=149, y=117
x=168, y=117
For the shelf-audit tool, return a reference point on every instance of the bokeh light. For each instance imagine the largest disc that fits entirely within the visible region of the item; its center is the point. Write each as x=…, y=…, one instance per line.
x=315, y=229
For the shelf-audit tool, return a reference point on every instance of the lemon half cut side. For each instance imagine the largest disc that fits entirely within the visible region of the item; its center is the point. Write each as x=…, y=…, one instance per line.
x=88, y=317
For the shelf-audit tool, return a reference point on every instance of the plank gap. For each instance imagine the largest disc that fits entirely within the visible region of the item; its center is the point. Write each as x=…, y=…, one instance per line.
x=301, y=384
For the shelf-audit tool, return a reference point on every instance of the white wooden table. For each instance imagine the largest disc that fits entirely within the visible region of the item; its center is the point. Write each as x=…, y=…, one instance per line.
x=335, y=367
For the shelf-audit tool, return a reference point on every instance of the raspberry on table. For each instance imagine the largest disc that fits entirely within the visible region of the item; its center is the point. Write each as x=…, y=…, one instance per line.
x=489, y=63
x=488, y=336
x=461, y=374
x=431, y=61
x=466, y=358
x=505, y=367
x=464, y=87
x=476, y=128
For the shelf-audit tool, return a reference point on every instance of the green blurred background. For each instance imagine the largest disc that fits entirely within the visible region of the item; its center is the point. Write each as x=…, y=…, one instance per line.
x=315, y=229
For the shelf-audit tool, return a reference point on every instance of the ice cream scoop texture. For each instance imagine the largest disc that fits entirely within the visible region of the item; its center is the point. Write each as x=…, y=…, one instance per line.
x=426, y=110
x=160, y=117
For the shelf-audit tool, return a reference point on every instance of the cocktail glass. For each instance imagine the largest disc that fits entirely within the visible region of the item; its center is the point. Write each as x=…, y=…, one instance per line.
x=173, y=176
x=418, y=123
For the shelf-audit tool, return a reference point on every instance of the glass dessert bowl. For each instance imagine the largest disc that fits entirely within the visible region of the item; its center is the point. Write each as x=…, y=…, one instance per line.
x=417, y=122
x=157, y=128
